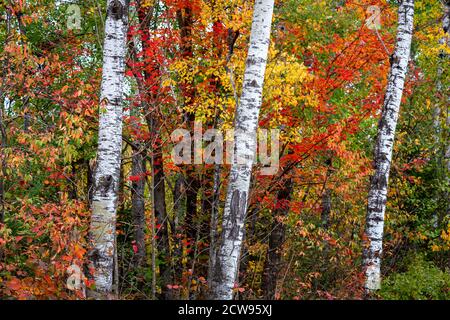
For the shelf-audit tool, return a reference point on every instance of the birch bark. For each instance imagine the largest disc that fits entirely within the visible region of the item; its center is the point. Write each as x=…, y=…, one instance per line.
x=107, y=175
x=246, y=122
x=384, y=146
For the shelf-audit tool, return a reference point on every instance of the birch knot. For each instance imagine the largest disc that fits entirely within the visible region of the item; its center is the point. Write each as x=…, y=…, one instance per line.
x=116, y=10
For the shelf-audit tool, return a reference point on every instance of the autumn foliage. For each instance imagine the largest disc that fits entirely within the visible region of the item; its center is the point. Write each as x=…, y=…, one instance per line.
x=324, y=87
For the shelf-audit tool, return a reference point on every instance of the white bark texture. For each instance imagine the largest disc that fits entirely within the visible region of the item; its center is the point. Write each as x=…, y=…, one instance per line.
x=384, y=146
x=246, y=122
x=107, y=175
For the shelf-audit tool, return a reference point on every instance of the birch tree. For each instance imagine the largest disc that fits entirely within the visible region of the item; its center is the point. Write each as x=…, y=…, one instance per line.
x=384, y=146
x=246, y=122
x=107, y=175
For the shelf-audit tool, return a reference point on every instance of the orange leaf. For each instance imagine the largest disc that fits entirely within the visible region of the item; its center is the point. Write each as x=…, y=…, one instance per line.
x=14, y=284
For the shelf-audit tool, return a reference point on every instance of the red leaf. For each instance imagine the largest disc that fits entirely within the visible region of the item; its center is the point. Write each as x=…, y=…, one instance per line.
x=14, y=284
x=134, y=178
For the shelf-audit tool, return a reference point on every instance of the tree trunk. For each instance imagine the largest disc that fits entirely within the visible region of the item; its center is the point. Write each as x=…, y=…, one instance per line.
x=3, y=164
x=272, y=265
x=3, y=140
x=384, y=146
x=145, y=15
x=326, y=196
x=213, y=225
x=326, y=208
x=192, y=188
x=162, y=221
x=179, y=199
x=446, y=40
x=107, y=175
x=442, y=170
x=159, y=199
x=73, y=192
x=204, y=219
x=138, y=206
x=3, y=134
x=214, y=221
x=246, y=122
x=90, y=169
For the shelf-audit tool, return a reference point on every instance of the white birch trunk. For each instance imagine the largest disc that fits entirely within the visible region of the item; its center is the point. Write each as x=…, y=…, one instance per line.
x=384, y=146
x=107, y=175
x=246, y=122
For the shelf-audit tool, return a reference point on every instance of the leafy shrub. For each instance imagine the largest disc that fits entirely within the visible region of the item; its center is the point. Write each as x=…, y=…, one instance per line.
x=422, y=281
